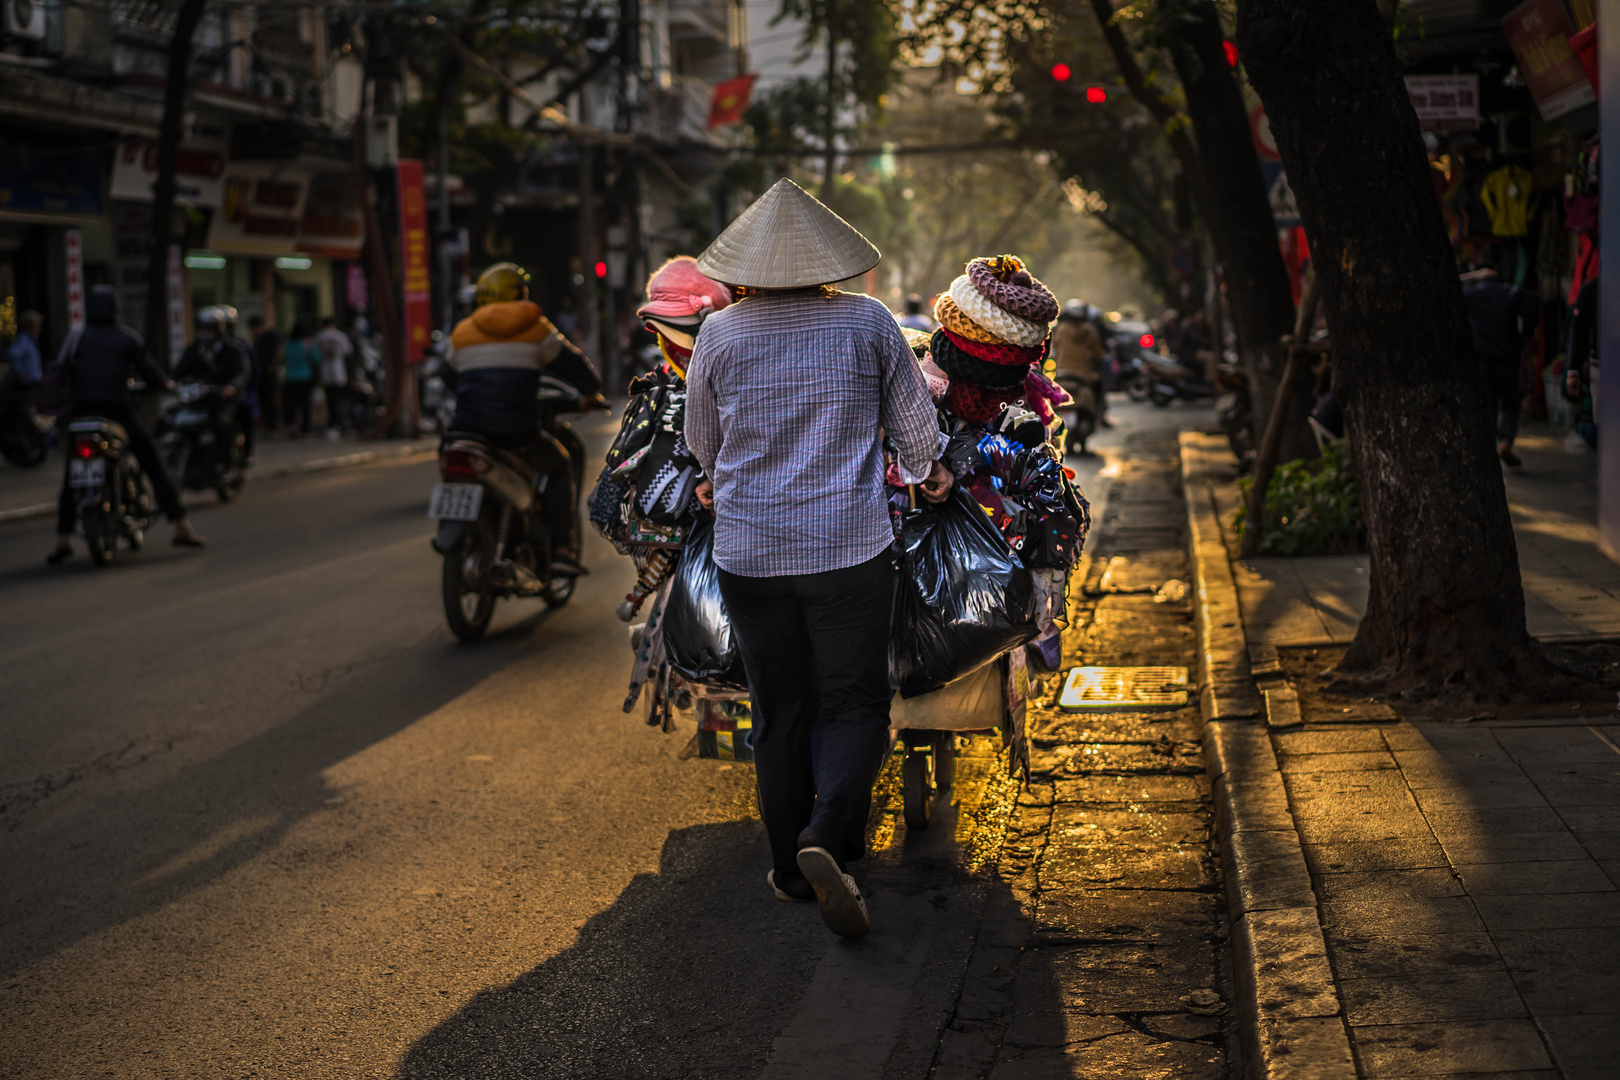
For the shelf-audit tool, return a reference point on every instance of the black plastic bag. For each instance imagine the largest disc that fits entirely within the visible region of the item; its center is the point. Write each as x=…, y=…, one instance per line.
x=963, y=599
x=697, y=632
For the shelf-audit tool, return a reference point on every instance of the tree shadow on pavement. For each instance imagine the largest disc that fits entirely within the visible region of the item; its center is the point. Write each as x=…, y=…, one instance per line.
x=691, y=973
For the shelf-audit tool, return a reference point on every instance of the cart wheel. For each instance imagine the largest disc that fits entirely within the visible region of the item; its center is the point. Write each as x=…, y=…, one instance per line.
x=919, y=792
x=944, y=761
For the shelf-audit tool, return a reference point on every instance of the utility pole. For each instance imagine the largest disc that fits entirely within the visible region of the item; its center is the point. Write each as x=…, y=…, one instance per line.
x=589, y=320
x=447, y=293
x=832, y=104
x=163, y=192
x=382, y=66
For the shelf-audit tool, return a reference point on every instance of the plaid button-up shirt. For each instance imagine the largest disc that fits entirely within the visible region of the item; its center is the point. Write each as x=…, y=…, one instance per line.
x=785, y=397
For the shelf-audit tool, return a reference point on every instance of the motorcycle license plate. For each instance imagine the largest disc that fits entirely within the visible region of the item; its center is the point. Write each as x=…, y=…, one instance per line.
x=87, y=472
x=456, y=502
x=1225, y=402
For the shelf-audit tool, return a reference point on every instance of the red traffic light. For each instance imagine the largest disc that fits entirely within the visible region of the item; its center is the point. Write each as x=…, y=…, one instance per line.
x=601, y=269
x=1061, y=72
x=1096, y=95
x=1230, y=49
x=1146, y=341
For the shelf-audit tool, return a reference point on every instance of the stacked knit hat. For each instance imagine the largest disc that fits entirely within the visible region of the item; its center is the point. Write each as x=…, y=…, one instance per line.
x=991, y=339
x=679, y=298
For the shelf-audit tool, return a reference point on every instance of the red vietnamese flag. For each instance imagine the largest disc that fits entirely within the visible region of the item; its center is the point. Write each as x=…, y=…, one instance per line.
x=730, y=99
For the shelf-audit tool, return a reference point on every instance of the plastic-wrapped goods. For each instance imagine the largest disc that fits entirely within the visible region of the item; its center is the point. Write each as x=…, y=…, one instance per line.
x=697, y=631
x=964, y=597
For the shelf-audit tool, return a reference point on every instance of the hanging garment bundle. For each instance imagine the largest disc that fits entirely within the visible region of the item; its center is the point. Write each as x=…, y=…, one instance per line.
x=698, y=639
x=963, y=599
x=645, y=495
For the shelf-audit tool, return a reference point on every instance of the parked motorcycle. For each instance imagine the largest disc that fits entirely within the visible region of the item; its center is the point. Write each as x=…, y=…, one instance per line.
x=109, y=491
x=1079, y=418
x=1170, y=380
x=492, y=531
x=23, y=439
x=202, y=442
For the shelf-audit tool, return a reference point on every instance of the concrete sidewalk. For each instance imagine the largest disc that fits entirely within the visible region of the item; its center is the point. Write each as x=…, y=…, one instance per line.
x=1462, y=874
x=30, y=493
x=1572, y=590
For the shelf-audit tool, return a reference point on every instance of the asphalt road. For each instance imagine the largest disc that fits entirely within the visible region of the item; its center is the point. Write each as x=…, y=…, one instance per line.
x=263, y=816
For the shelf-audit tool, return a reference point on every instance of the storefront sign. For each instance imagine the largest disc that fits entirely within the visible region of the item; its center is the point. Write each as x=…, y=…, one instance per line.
x=57, y=180
x=177, y=306
x=75, y=277
x=333, y=224
x=355, y=292
x=261, y=209
x=1445, y=102
x=198, y=175
x=413, y=246
x=1539, y=32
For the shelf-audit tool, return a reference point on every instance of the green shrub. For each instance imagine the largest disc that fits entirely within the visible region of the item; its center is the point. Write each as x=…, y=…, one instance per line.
x=1311, y=507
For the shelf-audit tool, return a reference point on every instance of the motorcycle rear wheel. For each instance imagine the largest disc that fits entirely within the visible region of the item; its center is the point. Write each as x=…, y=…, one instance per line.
x=1139, y=387
x=467, y=610
x=100, y=534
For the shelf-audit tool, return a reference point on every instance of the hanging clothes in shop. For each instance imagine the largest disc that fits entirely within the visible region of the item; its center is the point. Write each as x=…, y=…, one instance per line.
x=1506, y=194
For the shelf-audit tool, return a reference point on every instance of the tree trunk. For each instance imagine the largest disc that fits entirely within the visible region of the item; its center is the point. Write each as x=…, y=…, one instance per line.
x=1446, y=607
x=1262, y=303
x=169, y=135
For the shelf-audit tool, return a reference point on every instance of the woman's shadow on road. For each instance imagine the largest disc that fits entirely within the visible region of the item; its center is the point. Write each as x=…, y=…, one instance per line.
x=691, y=972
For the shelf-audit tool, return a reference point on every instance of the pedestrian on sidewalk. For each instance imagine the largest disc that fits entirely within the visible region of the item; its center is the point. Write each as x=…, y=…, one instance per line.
x=914, y=318
x=267, y=345
x=102, y=355
x=334, y=348
x=1499, y=315
x=297, y=380
x=27, y=367
x=788, y=392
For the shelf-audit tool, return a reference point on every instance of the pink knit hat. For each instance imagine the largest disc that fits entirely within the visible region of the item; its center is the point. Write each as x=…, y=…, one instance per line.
x=678, y=289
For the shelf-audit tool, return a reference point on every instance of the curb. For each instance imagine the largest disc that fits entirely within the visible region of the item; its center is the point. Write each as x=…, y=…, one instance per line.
x=363, y=457
x=1290, y=1019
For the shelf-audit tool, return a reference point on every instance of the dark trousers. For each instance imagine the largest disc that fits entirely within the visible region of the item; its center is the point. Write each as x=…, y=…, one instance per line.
x=146, y=452
x=295, y=404
x=1503, y=395
x=337, y=407
x=816, y=647
x=269, y=413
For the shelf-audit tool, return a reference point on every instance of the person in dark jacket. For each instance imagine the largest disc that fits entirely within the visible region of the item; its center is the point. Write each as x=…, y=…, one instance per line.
x=221, y=360
x=1499, y=315
x=103, y=355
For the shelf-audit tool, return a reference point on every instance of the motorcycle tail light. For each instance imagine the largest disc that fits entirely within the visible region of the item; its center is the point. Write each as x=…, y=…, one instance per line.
x=463, y=463
x=84, y=449
x=1146, y=341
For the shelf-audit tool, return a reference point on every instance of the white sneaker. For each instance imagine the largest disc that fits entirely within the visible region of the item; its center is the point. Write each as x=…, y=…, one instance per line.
x=770, y=879
x=842, y=908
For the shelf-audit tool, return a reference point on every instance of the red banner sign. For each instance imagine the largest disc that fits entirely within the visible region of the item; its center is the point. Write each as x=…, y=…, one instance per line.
x=413, y=246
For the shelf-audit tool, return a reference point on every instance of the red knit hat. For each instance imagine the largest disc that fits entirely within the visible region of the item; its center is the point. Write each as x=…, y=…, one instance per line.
x=679, y=289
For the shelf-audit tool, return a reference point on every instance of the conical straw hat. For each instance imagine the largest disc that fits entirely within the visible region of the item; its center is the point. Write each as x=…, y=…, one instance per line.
x=788, y=239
